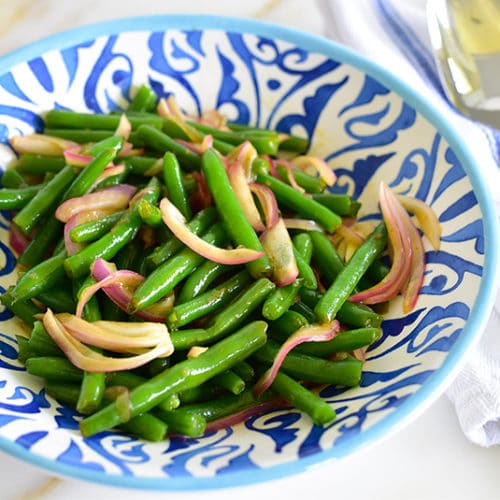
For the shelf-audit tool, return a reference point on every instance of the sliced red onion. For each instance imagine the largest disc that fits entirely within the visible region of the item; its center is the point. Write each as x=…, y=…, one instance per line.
x=109, y=171
x=412, y=287
x=239, y=183
x=176, y=222
x=73, y=157
x=77, y=219
x=207, y=143
x=400, y=243
x=267, y=201
x=303, y=224
x=426, y=217
x=115, y=198
x=279, y=249
x=119, y=286
x=308, y=163
x=155, y=169
x=313, y=333
x=192, y=146
x=115, y=336
x=129, y=150
x=124, y=127
x=214, y=119
x=290, y=176
x=168, y=108
x=40, y=144
x=88, y=359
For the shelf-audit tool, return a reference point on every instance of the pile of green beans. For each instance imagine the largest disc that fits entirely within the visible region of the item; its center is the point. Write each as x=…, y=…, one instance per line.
x=235, y=313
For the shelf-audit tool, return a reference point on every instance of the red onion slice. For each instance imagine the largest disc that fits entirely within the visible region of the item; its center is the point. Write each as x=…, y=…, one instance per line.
x=40, y=144
x=114, y=198
x=73, y=157
x=88, y=359
x=426, y=217
x=176, y=222
x=313, y=333
x=402, y=252
x=308, y=163
x=124, y=127
x=77, y=219
x=279, y=249
x=303, y=224
x=267, y=201
x=168, y=108
x=239, y=183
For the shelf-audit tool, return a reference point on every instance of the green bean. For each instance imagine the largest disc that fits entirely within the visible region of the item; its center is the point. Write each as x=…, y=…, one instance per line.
x=280, y=300
x=149, y=213
x=39, y=164
x=185, y=374
x=230, y=381
x=346, y=281
x=58, y=299
x=143, y=165
x=198, y=225
x=24, y=350
x=40, y=278
x=303, y=399
x=158, y=141
x=25, y=310
x=81, y=136
x=228, y=319
x=172, y=177
x=304, y=310
x=288, y=323
x=113, y=142
x=169, y=274
x=345, y=372
x=350, y=313
x=201, y=279
x=341, y=204
x=326, y=258
x=298, y=202
x=17, y=198
x=244, y=370
x=63, y=392
x=202, y=392
x=41, y=342
x=223, y=406
x=264, y=141
x=182, y=423
x=208, y=302
x=144, y=100
x=59, y=118
x=132, y=380
x=288, y=143
x=304, y=245
x=54, y=367
x=107, y=246
x=231, y=213
x=306, y=272
x=146, y=426
x=31, y=214
x=90, y=231
x=12, y=179
x=309, y=183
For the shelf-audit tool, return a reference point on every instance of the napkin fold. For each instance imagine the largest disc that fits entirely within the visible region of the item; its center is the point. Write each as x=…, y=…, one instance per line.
x=394, y=34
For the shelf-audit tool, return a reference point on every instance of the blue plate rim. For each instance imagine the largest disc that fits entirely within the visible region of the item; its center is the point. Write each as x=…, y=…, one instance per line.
x=435, y=385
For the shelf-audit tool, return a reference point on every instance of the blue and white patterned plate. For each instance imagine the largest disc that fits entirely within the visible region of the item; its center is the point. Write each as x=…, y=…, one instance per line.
x=368, y=125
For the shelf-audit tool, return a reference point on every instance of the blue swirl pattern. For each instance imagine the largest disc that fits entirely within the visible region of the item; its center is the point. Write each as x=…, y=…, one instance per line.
x=366, y=132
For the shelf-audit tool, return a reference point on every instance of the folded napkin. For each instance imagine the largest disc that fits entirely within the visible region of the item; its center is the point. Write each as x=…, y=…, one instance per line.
x=394, y=34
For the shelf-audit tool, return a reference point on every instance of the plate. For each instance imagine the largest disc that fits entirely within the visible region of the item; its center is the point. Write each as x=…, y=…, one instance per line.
x=369, y=126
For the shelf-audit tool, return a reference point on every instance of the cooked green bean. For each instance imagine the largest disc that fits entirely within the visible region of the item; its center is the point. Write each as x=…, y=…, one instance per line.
x=341, y=204
x=231, y=213
x=169, y=274
x=345, y=282
x=185, y=374
x=55, y=368
x=208, y=302
x=17, y=198
x=307, y=182
x=90, y=231
x=31, y=214
x=298, y=202
x=172, y=177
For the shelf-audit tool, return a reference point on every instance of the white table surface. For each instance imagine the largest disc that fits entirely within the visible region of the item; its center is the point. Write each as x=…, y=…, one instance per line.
x=428, y=459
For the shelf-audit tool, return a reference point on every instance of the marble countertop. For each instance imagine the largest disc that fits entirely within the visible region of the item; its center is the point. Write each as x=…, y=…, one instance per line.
x=429, y=459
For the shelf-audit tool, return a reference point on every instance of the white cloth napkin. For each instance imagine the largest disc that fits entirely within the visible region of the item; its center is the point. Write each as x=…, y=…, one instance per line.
x=394, y=34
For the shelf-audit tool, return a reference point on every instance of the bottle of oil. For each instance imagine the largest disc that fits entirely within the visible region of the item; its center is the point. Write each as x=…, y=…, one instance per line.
x=469, y=43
